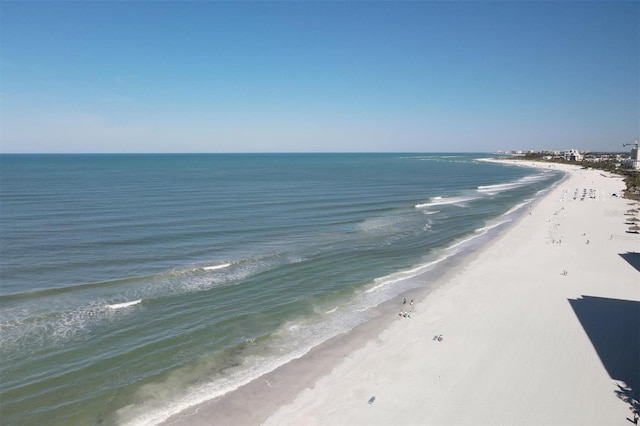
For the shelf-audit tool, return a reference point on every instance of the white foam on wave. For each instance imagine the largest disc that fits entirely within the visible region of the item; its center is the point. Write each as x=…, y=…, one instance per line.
x=404, y=275
x=161, y=403
x=204, y=278
x=487, y=228
x=464, y=241
x=124, y=304
x=215, y=267
x=332, y=310
x=517, y=207
x=56, y=323
x=536, y=177
x=477, y=233
x=183, y=388
x=441, y=201
x=501, y=187
x=384, y=224
x=494, y=189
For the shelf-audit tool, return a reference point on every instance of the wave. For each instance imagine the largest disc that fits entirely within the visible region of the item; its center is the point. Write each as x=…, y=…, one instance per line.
x=215, y=267
x=56, y=327
x=56, y=315
x=73, y=288
x=381, y=224
x=384, y=283
x=185, y=387
x=180, y=280
x=446, y=159
x=110, y=283
x=464, y=241
x=508, y=186
x=477, y=233
x=487, y=228
x=484, y=190
x=517, y=207
x=441, y=201
x=124, y=305
x=410, y=273
x=494, y=189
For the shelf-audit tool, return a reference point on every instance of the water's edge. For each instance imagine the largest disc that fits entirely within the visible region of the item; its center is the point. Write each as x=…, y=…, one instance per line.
x=254, y=402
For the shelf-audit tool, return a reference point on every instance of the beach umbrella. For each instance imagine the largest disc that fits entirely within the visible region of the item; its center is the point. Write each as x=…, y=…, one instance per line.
x=632, y=211
x=634, y=228
x=633, y=219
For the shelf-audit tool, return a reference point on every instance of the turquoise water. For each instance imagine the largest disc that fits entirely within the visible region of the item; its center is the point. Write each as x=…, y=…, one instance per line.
x=135, y=285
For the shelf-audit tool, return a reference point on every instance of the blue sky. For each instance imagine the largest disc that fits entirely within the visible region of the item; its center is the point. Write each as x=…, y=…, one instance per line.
x=289, y=76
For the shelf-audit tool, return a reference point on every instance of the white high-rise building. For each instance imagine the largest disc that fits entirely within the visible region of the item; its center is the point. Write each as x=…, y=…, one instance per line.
x=633, y=162
x=572, y=155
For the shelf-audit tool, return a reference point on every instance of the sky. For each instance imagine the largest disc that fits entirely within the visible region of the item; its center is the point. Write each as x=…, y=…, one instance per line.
x=318, y=76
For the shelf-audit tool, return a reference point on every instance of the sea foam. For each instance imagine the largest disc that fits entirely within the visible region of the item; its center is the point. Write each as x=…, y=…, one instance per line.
x=508, y=186
x=215, y=267
x=441, y=201
x=124, y=304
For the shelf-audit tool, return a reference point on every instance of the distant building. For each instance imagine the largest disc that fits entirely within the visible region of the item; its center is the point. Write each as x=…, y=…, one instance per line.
x=633, y=162
x=572, y=155
x=592, y=158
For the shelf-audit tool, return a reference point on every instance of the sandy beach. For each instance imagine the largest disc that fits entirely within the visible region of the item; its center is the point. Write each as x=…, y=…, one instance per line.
x=539, y=327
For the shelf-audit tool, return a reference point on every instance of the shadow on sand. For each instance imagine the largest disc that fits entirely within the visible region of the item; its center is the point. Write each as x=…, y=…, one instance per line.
x=613, y=326
x=632, y=258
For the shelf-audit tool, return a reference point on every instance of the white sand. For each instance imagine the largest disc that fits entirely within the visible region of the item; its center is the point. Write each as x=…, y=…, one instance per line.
x=514, y=350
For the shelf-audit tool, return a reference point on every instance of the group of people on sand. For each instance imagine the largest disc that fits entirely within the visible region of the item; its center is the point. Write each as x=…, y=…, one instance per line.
x=403, y=312
x=407, y=314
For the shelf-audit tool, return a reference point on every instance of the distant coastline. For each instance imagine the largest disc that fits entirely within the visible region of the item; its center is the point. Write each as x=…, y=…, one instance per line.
x=631, y=177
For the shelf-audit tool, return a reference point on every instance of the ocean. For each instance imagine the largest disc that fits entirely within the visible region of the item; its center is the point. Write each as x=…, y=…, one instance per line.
x=134, y=286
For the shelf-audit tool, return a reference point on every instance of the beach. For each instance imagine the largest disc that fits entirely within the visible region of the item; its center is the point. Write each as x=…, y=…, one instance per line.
x=540, y=326
x=239, y=278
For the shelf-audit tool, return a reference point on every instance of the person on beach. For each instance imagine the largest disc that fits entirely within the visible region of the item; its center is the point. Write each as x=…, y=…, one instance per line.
x=405, y=314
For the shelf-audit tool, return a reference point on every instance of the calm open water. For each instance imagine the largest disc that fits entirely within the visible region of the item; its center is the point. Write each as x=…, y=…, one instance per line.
x=132, y=286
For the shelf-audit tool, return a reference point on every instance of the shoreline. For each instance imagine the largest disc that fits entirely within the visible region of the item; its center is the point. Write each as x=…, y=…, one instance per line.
x=333, y=382
x=301, y=373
